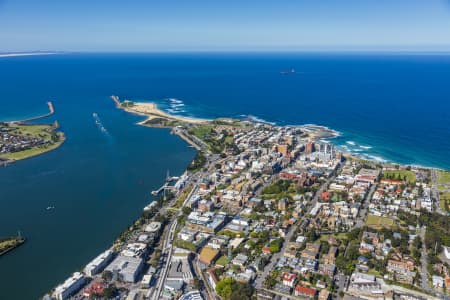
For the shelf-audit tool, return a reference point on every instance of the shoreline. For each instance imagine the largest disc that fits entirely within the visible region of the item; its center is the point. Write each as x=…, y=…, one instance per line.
x=314, y=131
x=26, y=54
x=151, y=111
x=5, y=161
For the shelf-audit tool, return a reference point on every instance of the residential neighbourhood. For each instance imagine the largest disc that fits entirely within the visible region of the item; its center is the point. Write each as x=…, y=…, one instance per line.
x=268, y=212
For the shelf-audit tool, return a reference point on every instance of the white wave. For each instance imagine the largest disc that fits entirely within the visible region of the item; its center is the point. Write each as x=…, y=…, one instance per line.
x=259, y=120
x=352, y=143
x=365, y=147
x=174, y=100
x=376, y=158
x=177, y=105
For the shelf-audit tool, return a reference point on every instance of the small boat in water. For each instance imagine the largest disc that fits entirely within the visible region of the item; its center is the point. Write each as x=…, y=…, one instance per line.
x=287, y=72
x=50, y=207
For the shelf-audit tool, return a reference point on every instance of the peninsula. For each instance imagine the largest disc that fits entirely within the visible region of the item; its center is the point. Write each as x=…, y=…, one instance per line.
x=271, y=212
x=20, y=139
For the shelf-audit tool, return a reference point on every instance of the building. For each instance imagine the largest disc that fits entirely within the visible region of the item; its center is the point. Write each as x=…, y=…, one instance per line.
x=447, y=252
x=153, y=227
x=310, y=148
x=324, y=295
x=364, y=282
x=70, y=286
x=283, y=149
x=99, y=263
x=302, y=291
x=289, y=279
x=126, y=269
x=208, y=255
x=282, y=204
x=192, y=295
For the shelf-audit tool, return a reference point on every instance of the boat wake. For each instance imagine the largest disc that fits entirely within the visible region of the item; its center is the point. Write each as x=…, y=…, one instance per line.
x=99, y=123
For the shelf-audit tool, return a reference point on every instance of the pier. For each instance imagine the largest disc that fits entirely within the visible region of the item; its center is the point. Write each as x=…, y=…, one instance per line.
x=166, y=185
x=51, y=112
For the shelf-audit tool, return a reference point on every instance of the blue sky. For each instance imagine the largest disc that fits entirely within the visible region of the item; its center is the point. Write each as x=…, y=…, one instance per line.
x=177, y=25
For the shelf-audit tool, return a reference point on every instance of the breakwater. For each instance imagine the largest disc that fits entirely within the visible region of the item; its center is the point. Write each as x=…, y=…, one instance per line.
x=51, y=111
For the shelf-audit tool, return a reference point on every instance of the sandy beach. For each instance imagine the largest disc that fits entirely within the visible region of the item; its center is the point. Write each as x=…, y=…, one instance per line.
x=152, y=111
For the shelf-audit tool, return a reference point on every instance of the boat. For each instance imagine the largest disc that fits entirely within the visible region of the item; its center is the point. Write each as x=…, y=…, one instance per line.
x=287, y=72
x=50, y=207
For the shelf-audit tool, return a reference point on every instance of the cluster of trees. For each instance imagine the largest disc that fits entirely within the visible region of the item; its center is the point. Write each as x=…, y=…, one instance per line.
x=230, y=289
x=278, y=187
x=438, y=228
x=198, y=162
x=275, y=245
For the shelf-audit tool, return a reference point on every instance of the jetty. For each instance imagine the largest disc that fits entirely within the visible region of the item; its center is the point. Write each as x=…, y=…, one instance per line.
x=166, y=185
x=51, y=111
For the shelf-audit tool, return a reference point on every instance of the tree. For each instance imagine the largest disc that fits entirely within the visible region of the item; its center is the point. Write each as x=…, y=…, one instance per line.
x=109, y=292
x=230, y=289
x=107, y=276
x=224, y=288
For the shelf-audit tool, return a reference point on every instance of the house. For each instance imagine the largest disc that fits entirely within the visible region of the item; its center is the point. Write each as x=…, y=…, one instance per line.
x=328, y=270
x=289, y=279
x=302, y=291
x=324, y=295
x=438, y=281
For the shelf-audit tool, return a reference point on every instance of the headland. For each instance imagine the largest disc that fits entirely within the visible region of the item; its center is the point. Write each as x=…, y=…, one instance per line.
x=154, y=114
x=20, y=139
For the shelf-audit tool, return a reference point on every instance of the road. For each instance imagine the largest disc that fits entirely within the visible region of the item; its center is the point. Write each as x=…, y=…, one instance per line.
x=423, y=259
x=168, y=247
x=360, y=221
x=274, y=259
x=435, y=195
x=424, y=276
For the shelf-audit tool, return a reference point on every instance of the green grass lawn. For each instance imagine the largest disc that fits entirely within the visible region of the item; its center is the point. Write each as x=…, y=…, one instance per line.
x=339, y=236
x=222, y=261
x=444, y=198
x=39, y=131
x=443, y=178
x=202, y=131
x=376, y=221
x=409, y=175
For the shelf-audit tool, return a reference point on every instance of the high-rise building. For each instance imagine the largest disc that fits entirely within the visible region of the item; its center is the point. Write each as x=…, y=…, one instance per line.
x=310, y=148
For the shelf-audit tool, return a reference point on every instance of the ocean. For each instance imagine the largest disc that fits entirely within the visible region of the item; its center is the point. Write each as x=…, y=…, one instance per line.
x=388, y=107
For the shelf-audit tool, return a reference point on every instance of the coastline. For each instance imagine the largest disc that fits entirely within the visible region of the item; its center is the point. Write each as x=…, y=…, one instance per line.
x=26, y=54
x=151, y=111
x=51, y=129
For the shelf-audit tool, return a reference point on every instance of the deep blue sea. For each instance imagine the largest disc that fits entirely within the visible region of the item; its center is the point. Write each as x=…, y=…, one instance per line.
x=393, y=107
